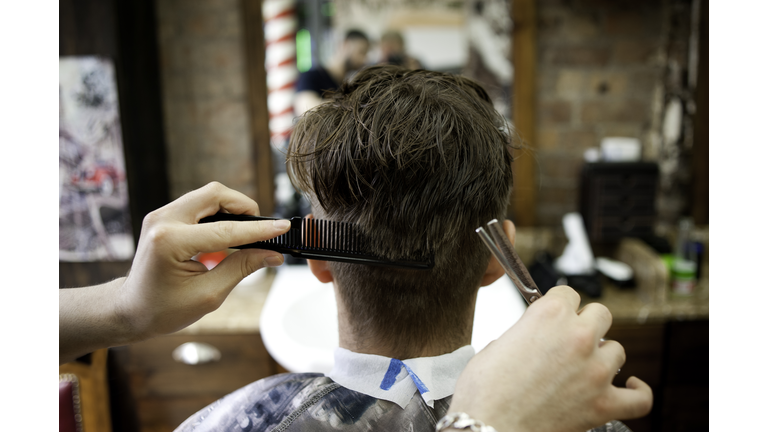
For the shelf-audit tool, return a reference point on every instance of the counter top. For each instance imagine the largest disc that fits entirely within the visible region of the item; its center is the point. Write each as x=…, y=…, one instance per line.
x=627, y=307
x=652, y=299
x=241, y=311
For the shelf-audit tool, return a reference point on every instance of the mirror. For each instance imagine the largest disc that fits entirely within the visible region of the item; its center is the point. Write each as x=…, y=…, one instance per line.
x=469, y=37
x=474, y=37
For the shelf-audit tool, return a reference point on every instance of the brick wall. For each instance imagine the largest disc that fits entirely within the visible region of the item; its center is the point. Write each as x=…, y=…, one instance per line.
x=597, y=70
x=204, y=94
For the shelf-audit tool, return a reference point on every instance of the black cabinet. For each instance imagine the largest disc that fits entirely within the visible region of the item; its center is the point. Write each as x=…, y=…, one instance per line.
x=618, y=199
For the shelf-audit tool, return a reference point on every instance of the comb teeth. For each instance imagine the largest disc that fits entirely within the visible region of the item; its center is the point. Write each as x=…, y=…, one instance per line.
x=321, y=235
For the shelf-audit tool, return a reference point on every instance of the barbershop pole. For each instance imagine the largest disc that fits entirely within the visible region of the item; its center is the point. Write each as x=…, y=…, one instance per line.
x=280, y=61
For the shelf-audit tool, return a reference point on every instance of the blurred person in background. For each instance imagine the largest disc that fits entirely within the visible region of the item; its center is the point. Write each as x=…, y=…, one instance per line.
x=351, y=56
x=392, y=46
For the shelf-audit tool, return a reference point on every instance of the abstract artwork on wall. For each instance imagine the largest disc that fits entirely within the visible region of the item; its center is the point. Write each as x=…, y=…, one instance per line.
x=94, y=217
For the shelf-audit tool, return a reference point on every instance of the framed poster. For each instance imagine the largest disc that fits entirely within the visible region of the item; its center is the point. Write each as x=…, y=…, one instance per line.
x=94, y=217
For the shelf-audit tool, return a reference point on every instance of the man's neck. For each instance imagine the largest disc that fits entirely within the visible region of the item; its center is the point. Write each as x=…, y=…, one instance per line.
x=427, y=351
x=456, y=337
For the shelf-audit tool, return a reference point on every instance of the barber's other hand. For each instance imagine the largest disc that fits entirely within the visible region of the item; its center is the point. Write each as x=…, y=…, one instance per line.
x=550, y=372
x=166, y=290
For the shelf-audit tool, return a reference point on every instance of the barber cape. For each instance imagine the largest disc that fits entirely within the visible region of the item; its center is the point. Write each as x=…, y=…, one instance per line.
x=363, y=392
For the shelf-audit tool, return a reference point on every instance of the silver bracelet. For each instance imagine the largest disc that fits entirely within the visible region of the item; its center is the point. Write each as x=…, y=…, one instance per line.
x=460, y=420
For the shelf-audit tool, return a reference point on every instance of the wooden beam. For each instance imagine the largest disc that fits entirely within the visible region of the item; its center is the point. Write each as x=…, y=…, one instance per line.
x=523, y=201
x=700, y=188
x=256, y=76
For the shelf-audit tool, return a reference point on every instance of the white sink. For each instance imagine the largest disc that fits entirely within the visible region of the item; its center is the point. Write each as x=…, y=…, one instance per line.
x=299, y=325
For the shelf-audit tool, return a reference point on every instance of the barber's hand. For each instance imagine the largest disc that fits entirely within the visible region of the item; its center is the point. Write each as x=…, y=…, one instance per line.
x=166, y=290
x=550, y=372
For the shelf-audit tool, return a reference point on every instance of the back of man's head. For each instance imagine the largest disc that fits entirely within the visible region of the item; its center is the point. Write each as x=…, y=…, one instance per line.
x=418, y=160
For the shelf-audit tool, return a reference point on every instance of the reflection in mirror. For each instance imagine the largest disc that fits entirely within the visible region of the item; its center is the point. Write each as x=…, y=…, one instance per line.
x=468, y=37
x=312, y=45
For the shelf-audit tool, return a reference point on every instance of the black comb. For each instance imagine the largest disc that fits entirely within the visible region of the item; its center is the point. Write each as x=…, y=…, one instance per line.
x=321, y=240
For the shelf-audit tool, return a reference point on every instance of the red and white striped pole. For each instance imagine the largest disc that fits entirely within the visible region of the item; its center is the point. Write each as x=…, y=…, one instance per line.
x=280, y=37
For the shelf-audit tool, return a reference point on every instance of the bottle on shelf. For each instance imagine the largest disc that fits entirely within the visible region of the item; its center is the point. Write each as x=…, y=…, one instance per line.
x=684, y=263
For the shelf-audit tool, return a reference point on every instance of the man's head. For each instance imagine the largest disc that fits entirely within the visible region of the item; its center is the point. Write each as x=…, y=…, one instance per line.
x=392, y=47
x=354, y=50
x=418, y=160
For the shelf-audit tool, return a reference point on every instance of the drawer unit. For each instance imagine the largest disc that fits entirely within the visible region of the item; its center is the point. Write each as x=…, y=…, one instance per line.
x=166, y=392
x=618, y=199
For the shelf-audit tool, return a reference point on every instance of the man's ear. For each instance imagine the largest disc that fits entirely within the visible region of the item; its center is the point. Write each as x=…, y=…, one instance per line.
x=495, y=270
x=320, y=270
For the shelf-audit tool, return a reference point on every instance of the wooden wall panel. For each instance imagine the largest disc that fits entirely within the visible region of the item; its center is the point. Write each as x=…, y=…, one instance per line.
x=256, y=76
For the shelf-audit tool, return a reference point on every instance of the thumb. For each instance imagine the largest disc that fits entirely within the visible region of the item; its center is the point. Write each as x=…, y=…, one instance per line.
x=232, y=269
x=634, y=401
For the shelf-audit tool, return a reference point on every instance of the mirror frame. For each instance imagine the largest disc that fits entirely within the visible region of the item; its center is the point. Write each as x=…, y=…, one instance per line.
x=256, y=80
x=523, y=199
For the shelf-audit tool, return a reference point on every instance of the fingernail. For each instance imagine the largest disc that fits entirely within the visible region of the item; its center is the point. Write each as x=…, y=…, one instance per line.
x=273, y=261
x=281, y=224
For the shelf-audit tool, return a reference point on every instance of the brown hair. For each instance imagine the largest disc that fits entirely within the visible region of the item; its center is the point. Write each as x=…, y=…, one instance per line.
x=418, y=160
